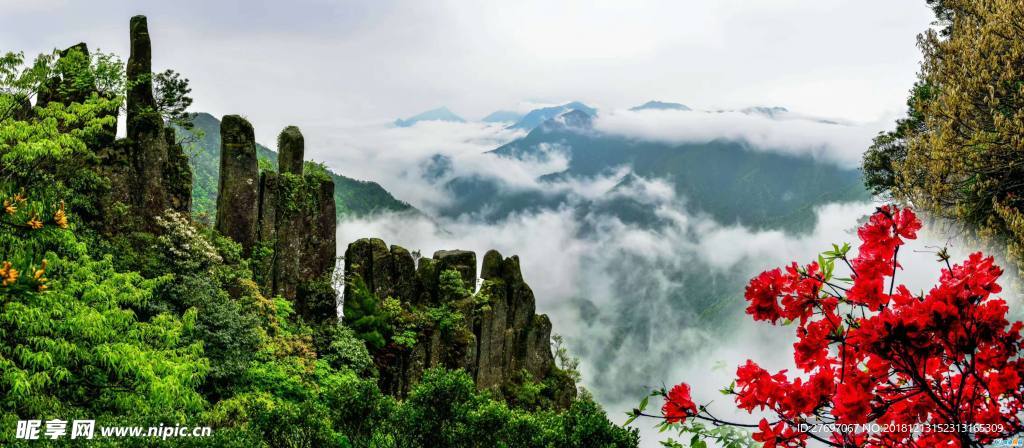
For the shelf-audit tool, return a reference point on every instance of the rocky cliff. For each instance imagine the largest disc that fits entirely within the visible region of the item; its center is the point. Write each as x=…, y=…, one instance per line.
x=493, y=333
x=148, y=172
x=415, y=313
x=142, y=176
x=285, y=220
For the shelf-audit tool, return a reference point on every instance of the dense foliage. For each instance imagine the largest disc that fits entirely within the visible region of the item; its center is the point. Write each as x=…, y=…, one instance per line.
x=880, y=366
x=139, y=328
x=957, y=153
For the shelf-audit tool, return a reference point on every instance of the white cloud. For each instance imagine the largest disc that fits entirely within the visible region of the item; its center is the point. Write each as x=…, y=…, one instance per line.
x=841, y=143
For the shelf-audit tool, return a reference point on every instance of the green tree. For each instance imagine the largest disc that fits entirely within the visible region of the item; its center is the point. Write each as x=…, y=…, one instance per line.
x=171, y=92
x=77, y=350
x=957, y=154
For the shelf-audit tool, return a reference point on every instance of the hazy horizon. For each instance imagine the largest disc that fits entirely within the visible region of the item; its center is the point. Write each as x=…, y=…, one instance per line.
x=318, y=63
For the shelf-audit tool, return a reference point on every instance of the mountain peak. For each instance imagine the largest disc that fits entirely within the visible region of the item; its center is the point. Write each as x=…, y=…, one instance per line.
x=440, y=114
x=571, y=120
x=537, y=117
x=576, y=119
x=659, y=105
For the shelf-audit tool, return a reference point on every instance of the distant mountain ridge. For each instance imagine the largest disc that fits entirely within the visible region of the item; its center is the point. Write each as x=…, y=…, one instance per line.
x=352, y=197
x=439, y=114
x=730, y=180
x=659, y=105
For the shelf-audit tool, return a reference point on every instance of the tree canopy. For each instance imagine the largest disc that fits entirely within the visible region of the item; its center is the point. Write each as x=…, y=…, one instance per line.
x=957, y=154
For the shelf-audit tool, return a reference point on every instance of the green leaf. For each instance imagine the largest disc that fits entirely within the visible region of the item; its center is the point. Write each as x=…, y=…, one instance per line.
x=629, y=420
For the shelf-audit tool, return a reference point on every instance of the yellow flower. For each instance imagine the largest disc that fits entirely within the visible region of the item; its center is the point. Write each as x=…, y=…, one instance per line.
x=35, y=223
x=60, y=217
x=10, y=207
x=20, y=197
x=38, y=276
x=8, y=275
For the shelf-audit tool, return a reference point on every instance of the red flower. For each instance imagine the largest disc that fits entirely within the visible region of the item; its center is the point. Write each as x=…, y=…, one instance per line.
x=678, y=404
x=853, y=398
x=758, y=388
x=902, y=359
x=762, y=293
x=780, y=435
x=906, y=223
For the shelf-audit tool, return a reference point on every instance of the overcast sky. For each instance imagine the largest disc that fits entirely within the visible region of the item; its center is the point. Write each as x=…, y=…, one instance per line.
x=318, y=62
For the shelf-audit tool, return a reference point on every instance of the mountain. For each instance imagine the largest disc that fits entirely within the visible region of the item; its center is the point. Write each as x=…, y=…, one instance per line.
x=636, y=191
x=439, y=114
x=352, y=197
x=768, y=111
x=729, y=180
x=537, y=116
x=658, y=105
x=503, y=116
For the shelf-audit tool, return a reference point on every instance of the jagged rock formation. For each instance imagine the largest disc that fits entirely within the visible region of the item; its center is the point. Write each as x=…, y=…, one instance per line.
x=143, y=175
x=285, y=220
x=511, y=335
x=164, y=176
x=148, y=171
x=238, y=191
x=504, y=337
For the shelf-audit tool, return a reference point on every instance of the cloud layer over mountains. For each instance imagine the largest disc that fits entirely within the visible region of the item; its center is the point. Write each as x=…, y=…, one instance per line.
x=785, y=132
x=641, y=304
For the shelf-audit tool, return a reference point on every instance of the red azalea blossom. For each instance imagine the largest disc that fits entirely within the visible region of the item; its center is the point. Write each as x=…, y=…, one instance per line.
x=780, y=435
x=941, y=368
x=678, y=404
x=762, y=293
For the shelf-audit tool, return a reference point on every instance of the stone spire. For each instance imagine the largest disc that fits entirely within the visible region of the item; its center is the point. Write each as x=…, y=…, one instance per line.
x=238, y=191
x=297, y=219
x=143, y=118
x=291, y=216
x=148, y=171
x=290, y=150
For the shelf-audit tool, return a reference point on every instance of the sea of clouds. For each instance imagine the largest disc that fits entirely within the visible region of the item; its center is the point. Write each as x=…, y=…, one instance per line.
x=618, y=292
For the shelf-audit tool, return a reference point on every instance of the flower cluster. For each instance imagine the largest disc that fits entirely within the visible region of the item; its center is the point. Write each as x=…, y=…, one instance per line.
x=184, y=243
x=11, y=204
x=678, y=404
x=870, y=351
x=35, y=220
x=9, y=275
x=19, y=219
